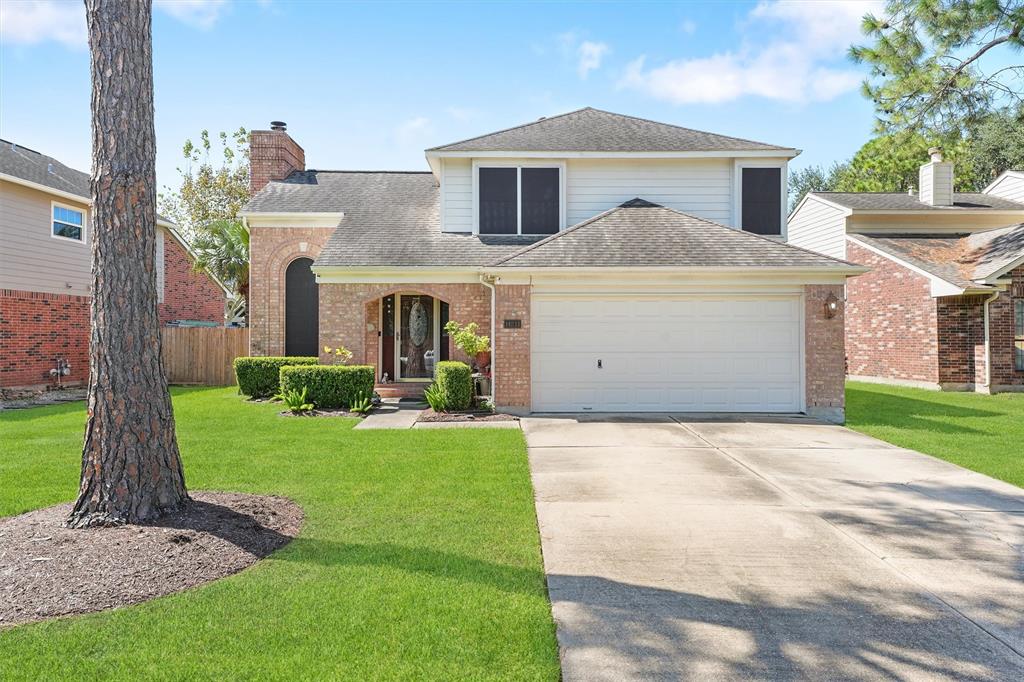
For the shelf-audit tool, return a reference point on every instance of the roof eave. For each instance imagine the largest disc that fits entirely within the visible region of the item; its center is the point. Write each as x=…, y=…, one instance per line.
x=433, y=154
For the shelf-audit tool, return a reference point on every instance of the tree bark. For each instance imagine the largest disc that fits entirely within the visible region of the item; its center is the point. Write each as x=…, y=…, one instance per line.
x=131, y=469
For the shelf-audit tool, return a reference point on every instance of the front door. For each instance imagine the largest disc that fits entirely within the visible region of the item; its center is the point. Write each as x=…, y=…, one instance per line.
x=417, y=336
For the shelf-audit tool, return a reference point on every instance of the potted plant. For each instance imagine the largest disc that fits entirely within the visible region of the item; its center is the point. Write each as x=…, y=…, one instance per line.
x=469, y=342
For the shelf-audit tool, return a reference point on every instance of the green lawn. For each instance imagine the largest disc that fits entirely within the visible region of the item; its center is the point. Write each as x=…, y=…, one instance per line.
x=419, y=558
x=980, y=432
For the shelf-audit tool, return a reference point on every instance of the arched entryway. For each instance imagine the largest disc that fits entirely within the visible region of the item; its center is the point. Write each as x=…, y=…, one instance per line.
x=301, y=309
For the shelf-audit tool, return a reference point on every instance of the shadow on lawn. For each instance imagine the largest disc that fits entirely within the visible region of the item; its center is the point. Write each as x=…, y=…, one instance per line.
x=872, y=408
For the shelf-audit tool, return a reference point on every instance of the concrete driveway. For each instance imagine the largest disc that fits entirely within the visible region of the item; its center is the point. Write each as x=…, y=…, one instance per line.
x=775, y=547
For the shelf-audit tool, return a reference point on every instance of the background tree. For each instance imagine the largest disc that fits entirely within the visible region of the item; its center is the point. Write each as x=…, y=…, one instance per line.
x=208, y=193
x=814, y=179
x=891, y=163
x=222, y=247
x=131, y=469
x=939, y=65
x=996, y=145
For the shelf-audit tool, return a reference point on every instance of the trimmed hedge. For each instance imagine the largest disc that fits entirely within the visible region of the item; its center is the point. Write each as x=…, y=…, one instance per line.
x=455, y=379
x=330, y=386
x=260, y=377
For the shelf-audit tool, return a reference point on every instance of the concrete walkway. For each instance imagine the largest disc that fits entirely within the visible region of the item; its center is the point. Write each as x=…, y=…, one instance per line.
x=393, y=414
x=772, y=548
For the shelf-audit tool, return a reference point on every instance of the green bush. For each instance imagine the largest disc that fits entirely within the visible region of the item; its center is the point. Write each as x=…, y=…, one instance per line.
x=260, y=377
x=330, y=386
x=455, y=380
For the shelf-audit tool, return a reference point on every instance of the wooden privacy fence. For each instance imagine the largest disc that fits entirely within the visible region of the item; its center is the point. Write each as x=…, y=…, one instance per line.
x=203, y=355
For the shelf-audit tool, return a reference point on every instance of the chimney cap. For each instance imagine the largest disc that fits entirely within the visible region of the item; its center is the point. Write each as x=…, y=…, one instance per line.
x=935, y=153
x=278, y=125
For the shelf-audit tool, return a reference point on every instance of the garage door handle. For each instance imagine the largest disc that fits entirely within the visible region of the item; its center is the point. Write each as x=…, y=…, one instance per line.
x=599, y=364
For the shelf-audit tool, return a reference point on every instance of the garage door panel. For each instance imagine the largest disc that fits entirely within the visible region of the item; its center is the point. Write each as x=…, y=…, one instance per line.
x=720, y=353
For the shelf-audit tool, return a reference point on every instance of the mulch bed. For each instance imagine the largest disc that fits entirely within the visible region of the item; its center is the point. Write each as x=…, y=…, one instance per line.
x=19, y=400
x=323, y=413
x=47, y=570
x=470, y=416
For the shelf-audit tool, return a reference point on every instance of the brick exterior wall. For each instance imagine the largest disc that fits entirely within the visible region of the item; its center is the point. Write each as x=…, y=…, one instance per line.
x=890, y=321
x=36, y=329
x=273, y=155
x=188, y=295
x=896, y=331
x=271, y=250
x=512, y=362
x=824, y=354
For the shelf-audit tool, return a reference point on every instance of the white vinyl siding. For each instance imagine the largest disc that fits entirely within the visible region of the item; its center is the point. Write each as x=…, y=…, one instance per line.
x=1010, y=187
x=819, y=227
x=30, y=258
x=700, y=187
x=457, y=197
x=666, y=354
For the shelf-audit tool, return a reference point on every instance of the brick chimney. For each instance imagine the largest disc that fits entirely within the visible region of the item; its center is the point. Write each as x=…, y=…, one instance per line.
x=936, y=180
x=273, y=155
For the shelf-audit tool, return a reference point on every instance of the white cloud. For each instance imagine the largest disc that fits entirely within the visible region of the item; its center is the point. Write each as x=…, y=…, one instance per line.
x=804, y=61
x=28, y=22
x=202, y=14
x=689, y=27
x=590, y=55
x=34, y=22
x=413, y=129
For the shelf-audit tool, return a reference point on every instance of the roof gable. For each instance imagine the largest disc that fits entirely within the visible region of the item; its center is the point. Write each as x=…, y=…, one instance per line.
x=642, y=234
x=593, y=130
x=40, y=169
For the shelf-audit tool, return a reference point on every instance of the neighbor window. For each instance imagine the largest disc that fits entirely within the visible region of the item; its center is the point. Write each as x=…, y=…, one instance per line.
x=761, y=191
x=68, y=223
x=1018, y=334
x=519, y=200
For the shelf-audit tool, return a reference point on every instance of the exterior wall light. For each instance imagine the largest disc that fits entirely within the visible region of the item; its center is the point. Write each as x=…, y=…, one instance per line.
x=831, y=306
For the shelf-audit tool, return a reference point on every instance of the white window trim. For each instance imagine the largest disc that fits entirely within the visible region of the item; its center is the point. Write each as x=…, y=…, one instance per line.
x=518, y=164
x=737, y=183
x=77, y=209
x=161, y=270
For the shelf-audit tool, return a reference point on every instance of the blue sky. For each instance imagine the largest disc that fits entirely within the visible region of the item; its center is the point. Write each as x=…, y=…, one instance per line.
x=369, y=86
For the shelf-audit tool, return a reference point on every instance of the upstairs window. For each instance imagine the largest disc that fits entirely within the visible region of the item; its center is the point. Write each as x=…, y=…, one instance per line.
x=761, y=209
x=68, y=223
x=519, y=200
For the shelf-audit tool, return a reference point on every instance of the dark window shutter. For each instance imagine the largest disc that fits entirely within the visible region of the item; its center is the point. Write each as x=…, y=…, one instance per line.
x=497, y=206
x=301, y=309
x=540, y=200
x=762, y=200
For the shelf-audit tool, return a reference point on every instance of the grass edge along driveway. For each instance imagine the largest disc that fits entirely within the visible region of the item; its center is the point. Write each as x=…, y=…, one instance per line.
x=984, y=433
x=419, y=557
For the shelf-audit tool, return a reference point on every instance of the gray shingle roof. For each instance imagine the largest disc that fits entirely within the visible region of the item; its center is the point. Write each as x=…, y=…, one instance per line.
x=593, y=130
x=391, y=220
x=960, y=259
x=901, y=201
x=30, y=165
x=643, y=234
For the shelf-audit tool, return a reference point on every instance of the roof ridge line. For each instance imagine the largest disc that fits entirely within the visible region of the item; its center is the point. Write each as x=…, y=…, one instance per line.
x=505, y=130
x=334, y=170
x=692, y=130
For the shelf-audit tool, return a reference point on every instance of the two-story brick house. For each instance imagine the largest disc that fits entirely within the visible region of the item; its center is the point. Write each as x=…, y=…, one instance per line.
x=943, y=305
x=45, y=267
x=618, y=264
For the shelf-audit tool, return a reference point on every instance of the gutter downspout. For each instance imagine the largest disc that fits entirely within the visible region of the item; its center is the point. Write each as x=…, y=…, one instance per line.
x=988, y=345
x=494, y=339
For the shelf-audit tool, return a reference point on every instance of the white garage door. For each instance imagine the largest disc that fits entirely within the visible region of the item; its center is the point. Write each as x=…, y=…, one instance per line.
x=706, y=354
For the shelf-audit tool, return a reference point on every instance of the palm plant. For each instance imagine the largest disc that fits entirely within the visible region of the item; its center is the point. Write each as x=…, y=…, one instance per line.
x=222, y=248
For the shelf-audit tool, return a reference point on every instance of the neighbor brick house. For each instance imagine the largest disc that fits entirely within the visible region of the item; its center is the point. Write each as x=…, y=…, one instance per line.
x=943, y=305
x=618, y=264
x=45, y=276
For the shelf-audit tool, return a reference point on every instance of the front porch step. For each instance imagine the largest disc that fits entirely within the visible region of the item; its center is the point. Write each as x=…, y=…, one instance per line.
x=400, y=390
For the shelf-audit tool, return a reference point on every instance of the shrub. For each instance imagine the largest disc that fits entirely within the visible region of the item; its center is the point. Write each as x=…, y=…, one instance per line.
x=330, y=386
x=259, y=377
x=466, y=339
x=455, y=381
x=436, y=398
x=296, y=401
x=363, y=404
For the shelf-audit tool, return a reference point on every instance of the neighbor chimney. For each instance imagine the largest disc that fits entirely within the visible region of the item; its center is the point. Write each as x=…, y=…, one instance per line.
x=936, y=180
x=273, y=155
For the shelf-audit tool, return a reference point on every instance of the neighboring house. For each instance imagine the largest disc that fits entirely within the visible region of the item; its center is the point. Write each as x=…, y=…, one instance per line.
x=618, y=264
x=45, y=264
x=943, y=305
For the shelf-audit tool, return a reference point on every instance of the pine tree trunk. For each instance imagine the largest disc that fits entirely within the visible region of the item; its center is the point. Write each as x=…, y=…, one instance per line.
x=131, y=469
